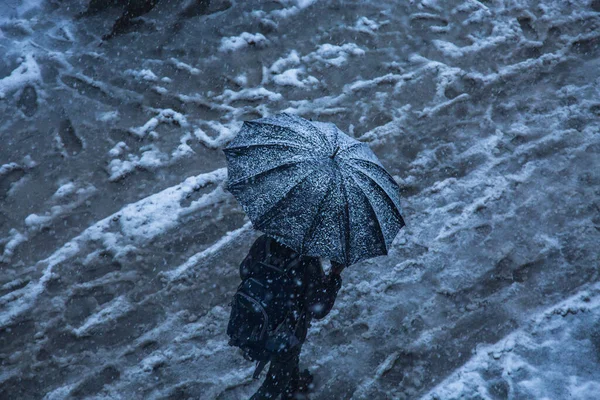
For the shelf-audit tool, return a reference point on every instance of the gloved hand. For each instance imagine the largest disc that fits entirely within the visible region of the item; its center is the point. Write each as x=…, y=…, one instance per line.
x=336, y=268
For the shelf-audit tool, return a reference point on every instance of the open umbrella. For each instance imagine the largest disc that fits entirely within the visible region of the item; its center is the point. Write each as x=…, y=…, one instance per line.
x=313, y=188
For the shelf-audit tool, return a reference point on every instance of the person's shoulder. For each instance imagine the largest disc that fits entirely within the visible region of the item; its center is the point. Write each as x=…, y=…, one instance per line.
x=260, y=241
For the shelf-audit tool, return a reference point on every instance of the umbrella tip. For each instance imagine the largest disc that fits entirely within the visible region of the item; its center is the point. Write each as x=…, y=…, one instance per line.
x=335, y=152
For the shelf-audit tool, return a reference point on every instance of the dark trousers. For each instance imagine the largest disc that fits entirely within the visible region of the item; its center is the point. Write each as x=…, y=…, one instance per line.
x=282, y=377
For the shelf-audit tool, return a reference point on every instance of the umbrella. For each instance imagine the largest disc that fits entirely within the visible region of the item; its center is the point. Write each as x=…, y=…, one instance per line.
x=313, y=188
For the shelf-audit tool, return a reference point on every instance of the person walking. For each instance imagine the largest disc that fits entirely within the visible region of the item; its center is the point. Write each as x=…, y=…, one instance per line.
x=314, y=192
x=308, y=293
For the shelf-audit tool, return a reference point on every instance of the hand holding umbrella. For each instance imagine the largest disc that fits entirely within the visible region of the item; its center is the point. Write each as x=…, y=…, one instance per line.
x=336, y=268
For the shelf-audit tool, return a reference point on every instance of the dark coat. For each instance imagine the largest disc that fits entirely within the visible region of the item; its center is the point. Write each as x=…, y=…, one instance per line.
x=316, y=291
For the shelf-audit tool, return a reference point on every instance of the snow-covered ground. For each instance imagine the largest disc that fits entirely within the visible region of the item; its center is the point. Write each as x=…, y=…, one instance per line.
x=119, y=244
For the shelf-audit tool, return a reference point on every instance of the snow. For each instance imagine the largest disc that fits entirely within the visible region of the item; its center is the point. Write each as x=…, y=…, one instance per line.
x=61, y=205
x=333, y=55
x=166, y=116
x=532, y=362
x=145, y=220
x=293, y=7
x=291, y=77
x=224, y=134
x=253, y=94
x=485, y=113
x=108, y=116
x=27, y=73
x=242, y=41
x=143, y=75
x=151, y=216
x=211, y=251
x=281, y=74
x=110, y=312
x=118, y=149
x=184, y=67
x=65, y=190
x=6, y=168
x=151, y=158
x=10, y=243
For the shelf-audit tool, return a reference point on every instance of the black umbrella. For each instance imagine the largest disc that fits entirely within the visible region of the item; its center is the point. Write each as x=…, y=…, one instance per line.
x=313, y=188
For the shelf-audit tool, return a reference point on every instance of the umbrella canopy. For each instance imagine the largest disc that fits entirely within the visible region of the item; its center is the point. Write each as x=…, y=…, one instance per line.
x=313, y=188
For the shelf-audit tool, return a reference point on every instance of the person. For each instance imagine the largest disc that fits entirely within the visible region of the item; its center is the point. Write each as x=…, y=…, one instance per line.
x=314, y=298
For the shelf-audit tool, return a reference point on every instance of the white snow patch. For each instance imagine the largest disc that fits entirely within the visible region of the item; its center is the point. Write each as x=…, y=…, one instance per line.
x=366, y=25
x=548, y=358
x=333, y=55
x=252, y=94
x=65, y=190
x=107, y=116
x=241, y=79
x=184, y=148
x=21, y=300
x=6, y=168
x=27, y=72
x=29, y=162
x=283, y=63
x=184, y=67
x=166, y=116
x=293, y=7
x=10, y=244
x=212, y=250
x=150, y=159
x=363, y=389
x=291, y=77
x=28, y=5
x=142, y=75
x=165, y=206
x=60, y=393
x=147, y=219
x=244, y=40
x=160, y=90
x=17, y=25
x=429, y=111
x=110, y=312
x=118, y=149
x=36, y=222
x=224, y=134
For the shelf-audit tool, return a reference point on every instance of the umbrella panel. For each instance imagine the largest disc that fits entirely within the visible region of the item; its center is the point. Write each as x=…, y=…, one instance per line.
x=259, y=193
x=253, y=133
x=244, y=163
x=366, y=238
x=292, y=216
x=390, y=220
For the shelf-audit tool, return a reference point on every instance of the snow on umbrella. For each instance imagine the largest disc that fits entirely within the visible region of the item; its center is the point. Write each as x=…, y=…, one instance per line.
x=313, y=188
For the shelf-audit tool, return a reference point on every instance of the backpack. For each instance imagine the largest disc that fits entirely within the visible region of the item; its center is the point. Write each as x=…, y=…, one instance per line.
x=265, y=309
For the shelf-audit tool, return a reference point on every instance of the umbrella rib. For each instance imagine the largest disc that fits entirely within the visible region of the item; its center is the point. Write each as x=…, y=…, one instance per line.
x=379, y=229
x=382, y=170
x=346, y=221
x=315, y=130
x=260, y=222
x=268, y=144
x=280, y=126
x=370, y=163
x=396, y=211
x=284, y=164
x=350, y=147
x=313, y=223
